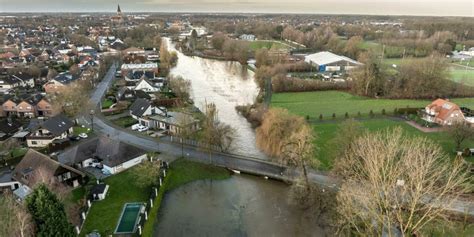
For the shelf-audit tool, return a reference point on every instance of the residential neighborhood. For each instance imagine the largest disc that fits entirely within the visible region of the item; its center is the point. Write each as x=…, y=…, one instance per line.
x=239, y=118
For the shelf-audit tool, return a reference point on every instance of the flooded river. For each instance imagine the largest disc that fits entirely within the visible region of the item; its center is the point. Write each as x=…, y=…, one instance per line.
x=226, y=84
x=240, y=206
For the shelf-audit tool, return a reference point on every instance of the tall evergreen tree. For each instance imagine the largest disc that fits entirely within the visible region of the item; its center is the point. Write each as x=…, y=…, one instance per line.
x=48, y=213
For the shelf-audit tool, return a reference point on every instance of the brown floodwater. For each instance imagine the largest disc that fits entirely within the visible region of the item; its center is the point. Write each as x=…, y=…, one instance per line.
x=226, y=84
x=243, y=205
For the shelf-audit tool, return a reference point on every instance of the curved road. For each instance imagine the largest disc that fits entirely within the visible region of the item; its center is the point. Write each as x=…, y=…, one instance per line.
x=248, y=165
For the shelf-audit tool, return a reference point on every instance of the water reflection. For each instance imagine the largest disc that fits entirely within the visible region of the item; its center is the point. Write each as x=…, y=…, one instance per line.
x=241, y=206
x=226, y=84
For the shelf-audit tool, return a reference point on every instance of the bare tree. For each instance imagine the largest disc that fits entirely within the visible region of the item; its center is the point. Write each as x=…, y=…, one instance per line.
x=70, y=100
x=298, y=149
x=394, y=183
x=14, y=218
x=146, y=174
x=215, y=133
x=460, y=132
x=180, y=87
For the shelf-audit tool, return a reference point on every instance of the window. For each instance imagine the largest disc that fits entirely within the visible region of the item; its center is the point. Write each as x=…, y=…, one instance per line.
x=34, y=142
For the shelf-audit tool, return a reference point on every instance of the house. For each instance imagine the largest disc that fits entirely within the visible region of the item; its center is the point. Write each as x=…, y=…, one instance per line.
x=443, y=112
x=10, y=82
x=136, y=71
x=44, y=108
x=125, y=93
x=36, y=167
x=59, y=82
x=141, y=108
x=27, y=108
x=329, y=62
x=114, y=155
x=147, y=86
x=8, y=127
x=171, y=122
x=58, y=127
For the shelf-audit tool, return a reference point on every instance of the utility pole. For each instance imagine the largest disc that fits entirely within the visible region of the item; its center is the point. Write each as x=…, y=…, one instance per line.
x=91, y=113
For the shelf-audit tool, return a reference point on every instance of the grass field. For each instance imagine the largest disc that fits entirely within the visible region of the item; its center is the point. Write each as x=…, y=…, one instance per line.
x=327, y=131
x=258, y=44
x=328, y=102
x=461, y=75
x=104, y=215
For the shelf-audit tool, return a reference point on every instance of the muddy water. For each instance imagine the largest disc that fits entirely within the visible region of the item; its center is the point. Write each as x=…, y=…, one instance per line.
x=240, y=206
x=226, y=84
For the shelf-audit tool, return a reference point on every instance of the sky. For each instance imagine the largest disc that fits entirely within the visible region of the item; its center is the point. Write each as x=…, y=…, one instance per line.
x=376, y=7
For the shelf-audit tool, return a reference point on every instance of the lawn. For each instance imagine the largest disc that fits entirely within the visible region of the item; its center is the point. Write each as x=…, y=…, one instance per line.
x=104, y=215
x=328, y=102
x=462, y=75
x=258, y=44
x=107, y=103
x=78, y=130
x=326, y=131
x=125, y=121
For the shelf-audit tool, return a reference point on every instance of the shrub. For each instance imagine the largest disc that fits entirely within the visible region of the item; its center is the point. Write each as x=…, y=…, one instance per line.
x=320, y=117
x=383, y=111
x=371, y=114
x=333, y=115
x=346, y=115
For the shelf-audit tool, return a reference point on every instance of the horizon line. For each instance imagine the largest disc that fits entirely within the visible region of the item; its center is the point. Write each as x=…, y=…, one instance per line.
x=229, y=12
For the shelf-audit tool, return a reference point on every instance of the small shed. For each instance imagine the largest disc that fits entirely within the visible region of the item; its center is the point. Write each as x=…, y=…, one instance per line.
x=99, y=191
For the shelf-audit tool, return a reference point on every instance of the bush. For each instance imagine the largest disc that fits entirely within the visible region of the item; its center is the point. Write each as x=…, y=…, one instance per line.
x=383, y=111
x=371, y=114
x=333, y=115
x=346, y=115
x=321, y=117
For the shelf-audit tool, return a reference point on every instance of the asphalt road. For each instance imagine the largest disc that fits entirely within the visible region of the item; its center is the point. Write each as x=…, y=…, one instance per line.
x=171, y=151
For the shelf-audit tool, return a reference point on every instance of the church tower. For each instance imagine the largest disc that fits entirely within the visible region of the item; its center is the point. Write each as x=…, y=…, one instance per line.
x=119, y=12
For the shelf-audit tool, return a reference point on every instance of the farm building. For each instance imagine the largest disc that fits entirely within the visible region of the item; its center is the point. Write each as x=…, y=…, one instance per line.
x=329, y=62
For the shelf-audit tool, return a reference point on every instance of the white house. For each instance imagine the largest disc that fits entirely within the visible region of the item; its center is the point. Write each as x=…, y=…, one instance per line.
x=142, y=107
x=56, y=128
x=146, y=86
x=247, y=37
x=114, y=155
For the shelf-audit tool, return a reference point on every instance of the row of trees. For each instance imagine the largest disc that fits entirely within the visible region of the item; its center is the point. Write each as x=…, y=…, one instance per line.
x=420, y=78
x=235, y=50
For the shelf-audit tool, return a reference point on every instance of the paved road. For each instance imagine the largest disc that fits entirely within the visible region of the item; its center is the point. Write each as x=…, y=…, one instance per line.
x=248, y=165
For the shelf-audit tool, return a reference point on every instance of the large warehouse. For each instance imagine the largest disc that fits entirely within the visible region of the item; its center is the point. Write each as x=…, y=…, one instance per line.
x=328, y=62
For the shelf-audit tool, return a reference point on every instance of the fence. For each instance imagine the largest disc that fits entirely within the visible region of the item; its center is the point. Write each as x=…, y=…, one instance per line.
x=84, y=211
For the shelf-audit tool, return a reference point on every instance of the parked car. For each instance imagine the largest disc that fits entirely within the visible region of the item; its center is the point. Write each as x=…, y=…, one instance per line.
x=74, y=138
x=83, y=135
x=136, y=126
x=143, y=129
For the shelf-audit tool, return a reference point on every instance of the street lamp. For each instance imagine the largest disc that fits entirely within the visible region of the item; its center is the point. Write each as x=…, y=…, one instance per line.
x=91, y=113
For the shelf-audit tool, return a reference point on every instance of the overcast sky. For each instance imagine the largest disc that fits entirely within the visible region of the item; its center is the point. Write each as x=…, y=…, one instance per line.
x=378, y=7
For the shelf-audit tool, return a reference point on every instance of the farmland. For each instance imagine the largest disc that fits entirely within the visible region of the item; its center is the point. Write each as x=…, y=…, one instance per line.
x=314, y=103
